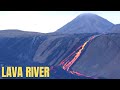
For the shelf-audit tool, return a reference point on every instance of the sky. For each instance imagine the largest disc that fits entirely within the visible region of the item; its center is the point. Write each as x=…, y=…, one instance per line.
x=47, y=21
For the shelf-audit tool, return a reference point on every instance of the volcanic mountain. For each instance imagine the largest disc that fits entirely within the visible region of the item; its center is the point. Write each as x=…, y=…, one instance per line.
x=86, y=23
x=79, y=49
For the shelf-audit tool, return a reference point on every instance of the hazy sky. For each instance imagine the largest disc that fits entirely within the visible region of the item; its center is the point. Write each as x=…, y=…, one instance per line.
x=46, y=21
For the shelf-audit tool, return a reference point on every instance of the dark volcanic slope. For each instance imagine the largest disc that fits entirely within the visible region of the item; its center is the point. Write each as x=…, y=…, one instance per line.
x=86, y=23
x=101, y=58
x=56, y=47
x=19, y=47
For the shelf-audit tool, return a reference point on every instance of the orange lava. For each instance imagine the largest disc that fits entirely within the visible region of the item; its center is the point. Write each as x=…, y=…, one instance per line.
x=67, y=63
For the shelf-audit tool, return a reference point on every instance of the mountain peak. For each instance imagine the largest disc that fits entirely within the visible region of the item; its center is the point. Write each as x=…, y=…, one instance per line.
x=86, y=23
x=87, y=14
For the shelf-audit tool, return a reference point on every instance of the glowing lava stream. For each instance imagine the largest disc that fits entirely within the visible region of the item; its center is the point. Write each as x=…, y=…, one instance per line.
x=66, y=63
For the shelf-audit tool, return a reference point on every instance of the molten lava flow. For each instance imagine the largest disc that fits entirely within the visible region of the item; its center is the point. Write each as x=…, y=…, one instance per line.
x=67, y=63
x=72, y=58
x=65, y=60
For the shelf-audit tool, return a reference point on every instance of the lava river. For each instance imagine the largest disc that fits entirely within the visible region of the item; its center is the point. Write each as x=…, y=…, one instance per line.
x=73, y=57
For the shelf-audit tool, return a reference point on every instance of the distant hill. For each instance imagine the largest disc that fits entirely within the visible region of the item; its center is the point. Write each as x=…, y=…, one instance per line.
x=86, y=23
x=15, y=33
